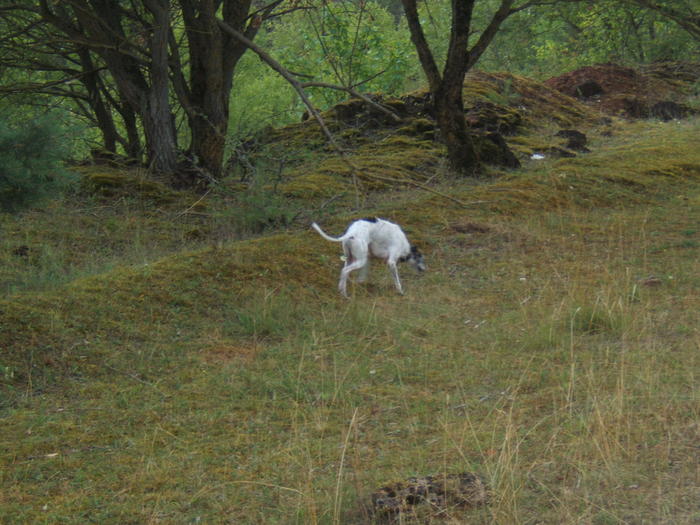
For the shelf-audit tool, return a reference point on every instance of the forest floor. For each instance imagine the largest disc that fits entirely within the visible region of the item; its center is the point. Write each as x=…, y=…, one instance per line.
x=172, y=358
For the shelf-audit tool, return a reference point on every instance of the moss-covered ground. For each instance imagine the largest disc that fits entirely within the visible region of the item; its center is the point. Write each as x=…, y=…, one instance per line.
x=155, y=367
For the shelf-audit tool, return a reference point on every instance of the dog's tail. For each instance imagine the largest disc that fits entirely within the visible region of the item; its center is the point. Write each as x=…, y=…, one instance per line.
x=324, y=234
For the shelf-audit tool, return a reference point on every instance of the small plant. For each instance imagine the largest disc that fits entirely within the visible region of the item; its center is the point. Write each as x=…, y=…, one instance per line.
x=597, y=319
x=260, y=205
x=507, y=95
x=262, y=208
x=7, y=372
x=267, y=316
x=31, y=163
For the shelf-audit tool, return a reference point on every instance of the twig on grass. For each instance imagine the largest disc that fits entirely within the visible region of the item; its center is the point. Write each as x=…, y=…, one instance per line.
x=270, y=485
x=193, y=204
x=136, y=378
x=425, y=188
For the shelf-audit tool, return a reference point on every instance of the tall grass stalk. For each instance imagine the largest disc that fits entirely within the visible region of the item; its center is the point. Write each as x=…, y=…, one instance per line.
x=337, y=500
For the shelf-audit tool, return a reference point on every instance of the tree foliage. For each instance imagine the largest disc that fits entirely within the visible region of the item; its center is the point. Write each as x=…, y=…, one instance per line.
x=31, y=162
x=144, y=60
x=612, y=31
x=350, y=44
x=685, y=13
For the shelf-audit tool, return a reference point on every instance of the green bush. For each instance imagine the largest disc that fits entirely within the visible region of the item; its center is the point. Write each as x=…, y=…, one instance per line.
x=254, y=210
x=31, y=163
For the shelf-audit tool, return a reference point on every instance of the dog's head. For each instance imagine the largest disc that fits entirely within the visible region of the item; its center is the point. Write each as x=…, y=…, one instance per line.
x=415, y=257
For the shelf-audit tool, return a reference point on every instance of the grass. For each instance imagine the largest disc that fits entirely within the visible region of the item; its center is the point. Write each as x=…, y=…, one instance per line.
x=193, y=382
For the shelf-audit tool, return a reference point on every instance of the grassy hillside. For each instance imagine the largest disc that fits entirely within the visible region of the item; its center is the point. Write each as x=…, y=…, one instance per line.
x=153, y=370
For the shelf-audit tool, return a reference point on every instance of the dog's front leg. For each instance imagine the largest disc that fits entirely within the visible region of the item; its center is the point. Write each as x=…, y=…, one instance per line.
x=395, y=275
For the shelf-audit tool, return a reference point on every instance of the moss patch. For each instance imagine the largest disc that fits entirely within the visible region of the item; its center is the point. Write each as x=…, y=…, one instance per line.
x=314, y=185
x=114, y=184
x=385, y=150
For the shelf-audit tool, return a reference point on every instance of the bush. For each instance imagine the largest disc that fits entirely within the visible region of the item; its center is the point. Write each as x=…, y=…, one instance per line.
x=31, y=163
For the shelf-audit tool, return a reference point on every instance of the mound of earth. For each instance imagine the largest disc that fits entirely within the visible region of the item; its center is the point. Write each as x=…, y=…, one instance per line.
x=390, y=141
x=655, y=91
x=435, y=494
x=395, y=140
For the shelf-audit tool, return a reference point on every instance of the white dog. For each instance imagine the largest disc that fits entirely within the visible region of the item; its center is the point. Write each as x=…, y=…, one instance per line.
x=378, y=238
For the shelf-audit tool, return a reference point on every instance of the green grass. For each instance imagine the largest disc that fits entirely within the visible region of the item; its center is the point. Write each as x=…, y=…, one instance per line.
x=190, y=381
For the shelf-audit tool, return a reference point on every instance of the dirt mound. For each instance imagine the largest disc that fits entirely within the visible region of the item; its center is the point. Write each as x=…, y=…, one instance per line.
x=431, y=494
x=653, y=91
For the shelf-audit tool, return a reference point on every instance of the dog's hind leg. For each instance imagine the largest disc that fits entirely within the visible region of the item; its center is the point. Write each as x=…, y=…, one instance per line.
x=356, y=257
x=345, y=273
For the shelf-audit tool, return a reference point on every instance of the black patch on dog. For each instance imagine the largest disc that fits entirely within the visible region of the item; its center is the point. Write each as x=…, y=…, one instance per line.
x=370, y=219
x=414, y=255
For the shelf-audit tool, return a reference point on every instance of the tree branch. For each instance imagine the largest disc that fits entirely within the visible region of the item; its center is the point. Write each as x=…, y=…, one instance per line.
x=503, y=12
x=421, y=44
x=355, y=94
x=276, y=66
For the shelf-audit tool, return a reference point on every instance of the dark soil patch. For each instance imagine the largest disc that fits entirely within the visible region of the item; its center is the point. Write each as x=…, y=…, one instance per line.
x=653, y=91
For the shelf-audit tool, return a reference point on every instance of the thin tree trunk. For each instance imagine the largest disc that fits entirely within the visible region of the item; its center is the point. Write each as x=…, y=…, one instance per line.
x=103, y=116
x=158, y=121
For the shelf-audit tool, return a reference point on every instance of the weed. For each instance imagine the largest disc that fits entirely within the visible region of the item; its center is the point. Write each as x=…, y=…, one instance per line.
x=269, y=314
x=597, y=319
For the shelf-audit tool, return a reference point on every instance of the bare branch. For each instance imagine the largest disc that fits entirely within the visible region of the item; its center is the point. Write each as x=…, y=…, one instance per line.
x=421, y=44
x=503, y=12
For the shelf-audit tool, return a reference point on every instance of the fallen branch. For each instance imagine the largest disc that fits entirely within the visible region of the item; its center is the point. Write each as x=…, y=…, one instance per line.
x=423, y=187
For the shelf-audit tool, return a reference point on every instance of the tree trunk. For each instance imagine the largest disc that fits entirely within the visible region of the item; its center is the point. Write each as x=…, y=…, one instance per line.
x=213, y=58
x=158, y=121
x=208, y=143
x=208, y=98
x=133, y=147
x=103, y=115
x=449, y=114
x=446, y=88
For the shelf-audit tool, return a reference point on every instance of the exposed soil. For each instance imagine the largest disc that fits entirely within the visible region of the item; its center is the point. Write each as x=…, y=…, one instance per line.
x=435, y=494
x=653, y=91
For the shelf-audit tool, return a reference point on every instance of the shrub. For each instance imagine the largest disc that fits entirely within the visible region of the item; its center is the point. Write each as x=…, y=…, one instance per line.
x=31, y=163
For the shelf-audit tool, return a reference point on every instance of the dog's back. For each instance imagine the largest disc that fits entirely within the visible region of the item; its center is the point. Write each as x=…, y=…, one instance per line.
x=361, y=228
x=387, y=238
